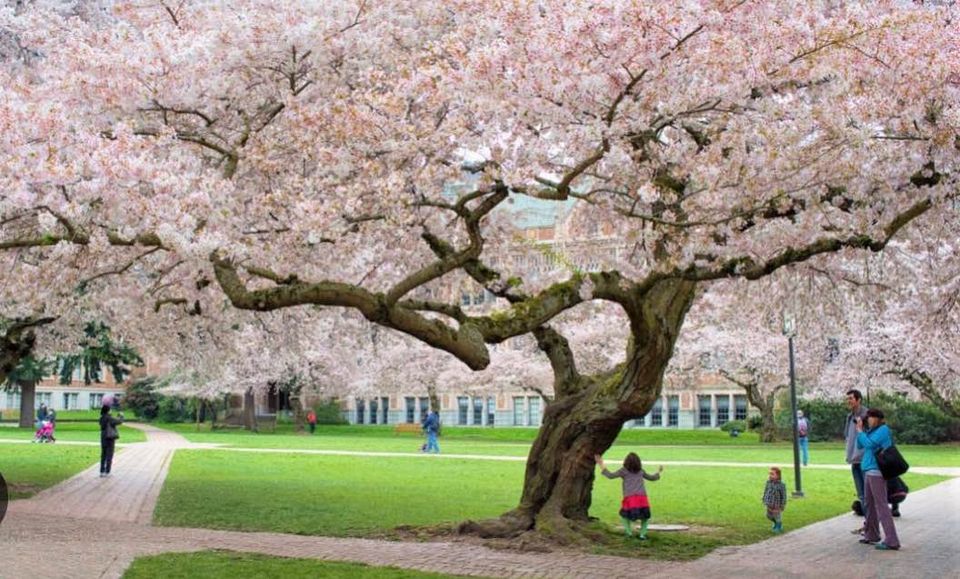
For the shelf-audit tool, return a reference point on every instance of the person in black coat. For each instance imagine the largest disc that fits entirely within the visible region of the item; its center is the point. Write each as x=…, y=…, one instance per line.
x=108, y=438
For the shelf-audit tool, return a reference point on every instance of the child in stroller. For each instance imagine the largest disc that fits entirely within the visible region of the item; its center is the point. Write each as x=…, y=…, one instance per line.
x=45, y=432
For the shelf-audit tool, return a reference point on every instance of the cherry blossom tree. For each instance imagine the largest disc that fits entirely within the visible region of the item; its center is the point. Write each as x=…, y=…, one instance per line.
x=298, y=155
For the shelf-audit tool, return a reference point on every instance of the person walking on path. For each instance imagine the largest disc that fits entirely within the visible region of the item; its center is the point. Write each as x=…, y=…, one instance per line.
x=312, y=420
x=775, y=499
x=855, y=454
x=872, y=439
x=803, y=430
x=431, y=425
x=108, y=438
x=635, y=505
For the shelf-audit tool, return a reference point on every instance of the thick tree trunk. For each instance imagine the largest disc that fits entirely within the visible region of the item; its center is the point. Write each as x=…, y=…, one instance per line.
x=298, y=415
x=211, y=409
x=28, y=396
x=768, y=428
x=586, y=417
x=249, y=411
x=434, y=397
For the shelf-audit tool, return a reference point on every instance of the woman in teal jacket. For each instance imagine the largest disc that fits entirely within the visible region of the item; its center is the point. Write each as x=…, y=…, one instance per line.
x=873, y=439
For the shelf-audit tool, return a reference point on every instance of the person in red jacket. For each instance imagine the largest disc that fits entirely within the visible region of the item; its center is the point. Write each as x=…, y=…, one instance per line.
x=312, y=420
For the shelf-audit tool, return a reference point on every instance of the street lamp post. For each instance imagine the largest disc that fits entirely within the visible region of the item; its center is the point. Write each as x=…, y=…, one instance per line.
x=790, y=330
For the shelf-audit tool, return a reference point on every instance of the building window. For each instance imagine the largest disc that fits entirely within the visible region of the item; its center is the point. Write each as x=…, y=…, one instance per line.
x=43, y=398
x=703, y=404
x=656, y=413
x=491, y=411
x=360, y=410
x=723, y=409
x=478, y=410
x=478, y=298
x=425, y=407
x=96, y=401
x=463, y=406
x=518, y=411
x=411, y=405
x=673, y=410
x=373, y=411
x=384, y=409
x=464, y=299
x=13, y=399
x=70, y=400
x=740, y=403
x=534, y=410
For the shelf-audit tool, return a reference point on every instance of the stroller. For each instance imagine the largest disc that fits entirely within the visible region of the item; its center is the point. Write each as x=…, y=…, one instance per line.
x=45, y=432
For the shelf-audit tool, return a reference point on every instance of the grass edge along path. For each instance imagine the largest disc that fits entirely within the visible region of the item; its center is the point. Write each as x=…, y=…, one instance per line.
x=330, y=496
x=31, y=468
x=232, y=564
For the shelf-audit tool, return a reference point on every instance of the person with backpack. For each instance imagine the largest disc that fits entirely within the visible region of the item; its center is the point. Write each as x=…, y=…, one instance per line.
x=431, y=426
x=803, y=429
x=108, y=438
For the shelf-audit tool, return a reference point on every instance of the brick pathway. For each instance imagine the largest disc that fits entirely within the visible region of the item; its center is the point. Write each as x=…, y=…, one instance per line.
x=92, y=527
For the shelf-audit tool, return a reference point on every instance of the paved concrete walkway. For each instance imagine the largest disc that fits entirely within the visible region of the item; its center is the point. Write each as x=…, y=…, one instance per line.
x=129, y=496
x=93, y=527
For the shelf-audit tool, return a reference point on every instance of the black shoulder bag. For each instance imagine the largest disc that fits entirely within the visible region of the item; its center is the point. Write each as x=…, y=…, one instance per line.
x=891, y=462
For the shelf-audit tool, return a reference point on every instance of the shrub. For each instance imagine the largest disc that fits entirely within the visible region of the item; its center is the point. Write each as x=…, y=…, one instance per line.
x=329, y=412
x=143, y=399
x=171, y=409
x=914, y=422
x=740, y=425
x=754, y=421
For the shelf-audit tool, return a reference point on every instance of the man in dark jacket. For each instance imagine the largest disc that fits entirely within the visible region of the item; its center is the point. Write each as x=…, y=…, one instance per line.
x=431, y=425
x=855, y=455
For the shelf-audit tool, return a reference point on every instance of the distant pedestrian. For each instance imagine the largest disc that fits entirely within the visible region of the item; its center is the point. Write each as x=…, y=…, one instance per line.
x=108, y=438
x=312, y=420
x=41, y=414
x=873, y=437
x=635, y=505
x=775, y=498
x=803, y=431
x=431, y=426
x=855, y=454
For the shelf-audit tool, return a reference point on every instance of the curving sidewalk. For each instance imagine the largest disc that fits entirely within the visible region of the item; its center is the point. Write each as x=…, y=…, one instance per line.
x=93, y=527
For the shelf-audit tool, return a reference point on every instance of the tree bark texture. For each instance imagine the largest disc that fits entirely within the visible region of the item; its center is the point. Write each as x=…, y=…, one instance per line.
x=249, y=411
x=28, y=397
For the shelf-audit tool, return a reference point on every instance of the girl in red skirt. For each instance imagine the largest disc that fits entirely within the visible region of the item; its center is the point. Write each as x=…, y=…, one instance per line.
x=635, y=505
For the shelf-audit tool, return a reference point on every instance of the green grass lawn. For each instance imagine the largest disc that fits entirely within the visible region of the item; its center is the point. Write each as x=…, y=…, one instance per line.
x=371, y=496
x=72, y=431
x=652, y=445
x=229, y=565
x=30, y=468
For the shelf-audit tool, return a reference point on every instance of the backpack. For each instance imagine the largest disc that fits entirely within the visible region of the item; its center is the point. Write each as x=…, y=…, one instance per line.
x=896, y=491
x=802, y=427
